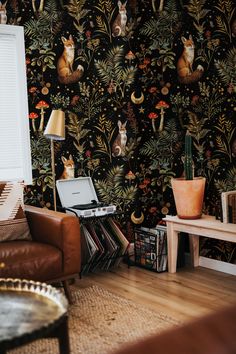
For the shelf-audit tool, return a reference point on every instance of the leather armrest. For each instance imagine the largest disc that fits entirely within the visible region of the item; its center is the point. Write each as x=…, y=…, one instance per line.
x=59, y=230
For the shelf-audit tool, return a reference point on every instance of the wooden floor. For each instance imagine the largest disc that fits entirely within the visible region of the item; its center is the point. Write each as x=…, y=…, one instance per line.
x=185, y=295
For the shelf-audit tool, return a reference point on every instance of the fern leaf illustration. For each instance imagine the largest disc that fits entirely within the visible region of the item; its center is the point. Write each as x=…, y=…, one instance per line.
x=231, y=177
x=128, y=75
x=115, y=176
x=75, y=6
x=76, y=10
x=221, y=144
x=111, y=68
x=196, y=9
x=108, y=126
x=115, y=55
x=229, y=6
x=101, y=144
x=104, y=71
x=129, y=193
x=150, y=29
x=102, y=119
x=101, y=24
x=108, y=188
x=226, y=68
x=224, y=6
x=108, y=6
x=221, y=25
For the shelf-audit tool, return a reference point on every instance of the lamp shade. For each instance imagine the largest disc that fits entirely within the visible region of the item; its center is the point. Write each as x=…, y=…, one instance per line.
x=55, y=128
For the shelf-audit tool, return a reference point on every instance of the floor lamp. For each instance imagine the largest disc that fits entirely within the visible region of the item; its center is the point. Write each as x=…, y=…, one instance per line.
x=55, y=130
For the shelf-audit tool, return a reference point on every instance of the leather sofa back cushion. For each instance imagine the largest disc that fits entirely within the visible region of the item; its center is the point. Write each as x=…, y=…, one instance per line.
x=13, y=222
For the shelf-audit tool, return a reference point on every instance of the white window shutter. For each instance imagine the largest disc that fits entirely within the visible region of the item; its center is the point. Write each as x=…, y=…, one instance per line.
x=15, y=154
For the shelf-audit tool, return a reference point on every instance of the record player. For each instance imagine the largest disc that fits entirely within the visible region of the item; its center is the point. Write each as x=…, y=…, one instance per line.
x=78, y=195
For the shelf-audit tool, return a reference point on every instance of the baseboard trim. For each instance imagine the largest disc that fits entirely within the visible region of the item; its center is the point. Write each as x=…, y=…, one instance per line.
x=220, y=266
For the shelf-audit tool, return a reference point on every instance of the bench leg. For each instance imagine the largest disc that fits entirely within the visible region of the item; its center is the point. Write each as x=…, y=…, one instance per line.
x=194, y=249
x=172, y=245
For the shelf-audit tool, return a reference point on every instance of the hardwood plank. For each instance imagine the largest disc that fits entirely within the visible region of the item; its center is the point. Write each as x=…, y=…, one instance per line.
x=185, y=295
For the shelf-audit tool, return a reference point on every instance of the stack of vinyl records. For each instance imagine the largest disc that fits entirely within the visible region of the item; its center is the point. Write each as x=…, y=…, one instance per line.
x=228, y=206
x=150, y=247
x=103, y=245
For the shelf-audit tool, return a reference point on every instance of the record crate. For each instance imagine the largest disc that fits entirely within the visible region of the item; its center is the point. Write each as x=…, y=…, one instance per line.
x=150, y=248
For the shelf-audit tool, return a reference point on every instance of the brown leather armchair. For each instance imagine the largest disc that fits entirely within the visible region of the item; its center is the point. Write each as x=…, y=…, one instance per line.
x=54, y=254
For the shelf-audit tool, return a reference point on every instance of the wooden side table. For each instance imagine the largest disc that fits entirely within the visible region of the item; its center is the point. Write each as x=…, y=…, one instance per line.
x=31, y=310
x=206, y=226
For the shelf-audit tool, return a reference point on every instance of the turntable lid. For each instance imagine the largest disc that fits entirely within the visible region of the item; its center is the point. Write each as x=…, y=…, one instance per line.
x=76, y=191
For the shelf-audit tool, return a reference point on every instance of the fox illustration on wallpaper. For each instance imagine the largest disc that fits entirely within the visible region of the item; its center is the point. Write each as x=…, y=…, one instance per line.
x=185, y=71
x=69, y=168
x=66, y=73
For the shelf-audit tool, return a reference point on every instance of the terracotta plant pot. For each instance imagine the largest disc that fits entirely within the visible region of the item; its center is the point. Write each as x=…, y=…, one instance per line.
x=188, y=195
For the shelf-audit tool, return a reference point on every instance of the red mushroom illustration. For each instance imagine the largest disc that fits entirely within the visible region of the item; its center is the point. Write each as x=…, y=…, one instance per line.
x=162, y=105
x=33, y=90
x=130, y=55
x=153, y=116
x=42, y=105
x=130, y=176
x=33, y=116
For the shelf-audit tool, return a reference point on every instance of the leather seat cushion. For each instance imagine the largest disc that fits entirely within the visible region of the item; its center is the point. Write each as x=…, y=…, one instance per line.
x=30, y=260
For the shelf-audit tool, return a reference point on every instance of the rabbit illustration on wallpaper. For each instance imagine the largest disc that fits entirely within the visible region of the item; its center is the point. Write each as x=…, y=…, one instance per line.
x=119, y=24
x=66, y=73
x=69, y=168
x=185, y=71
x=118, y=147
x=3, y=13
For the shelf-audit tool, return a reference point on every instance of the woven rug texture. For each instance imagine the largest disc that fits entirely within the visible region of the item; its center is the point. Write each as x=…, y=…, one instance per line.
x=100, y=321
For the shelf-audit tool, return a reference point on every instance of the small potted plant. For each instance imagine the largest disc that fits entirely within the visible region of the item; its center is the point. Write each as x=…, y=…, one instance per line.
x=188, y=190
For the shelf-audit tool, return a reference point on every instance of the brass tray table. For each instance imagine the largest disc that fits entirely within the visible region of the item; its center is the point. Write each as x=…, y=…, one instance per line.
x=31, y=310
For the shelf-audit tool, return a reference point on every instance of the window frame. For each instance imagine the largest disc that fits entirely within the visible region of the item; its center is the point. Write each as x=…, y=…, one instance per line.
x=21, y=127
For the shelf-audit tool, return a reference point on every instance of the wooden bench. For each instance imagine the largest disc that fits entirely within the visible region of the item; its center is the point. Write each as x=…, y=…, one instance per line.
x=206, y=226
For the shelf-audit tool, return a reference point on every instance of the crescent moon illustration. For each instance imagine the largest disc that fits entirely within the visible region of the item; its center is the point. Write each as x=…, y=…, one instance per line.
x=137, y=100
x=137, y=220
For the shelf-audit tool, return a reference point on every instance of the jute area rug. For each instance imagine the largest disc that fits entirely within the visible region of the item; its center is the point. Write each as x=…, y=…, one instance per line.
x=100, y=321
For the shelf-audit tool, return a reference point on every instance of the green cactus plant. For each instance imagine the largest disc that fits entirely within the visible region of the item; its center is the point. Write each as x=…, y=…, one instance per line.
x=188, y=158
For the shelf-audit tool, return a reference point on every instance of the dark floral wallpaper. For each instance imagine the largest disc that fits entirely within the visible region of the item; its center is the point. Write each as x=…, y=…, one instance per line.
x=131, y=84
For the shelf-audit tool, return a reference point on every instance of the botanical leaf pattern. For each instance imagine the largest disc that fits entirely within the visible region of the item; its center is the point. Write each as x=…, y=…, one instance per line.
x=226, y=67
x=124, y=79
